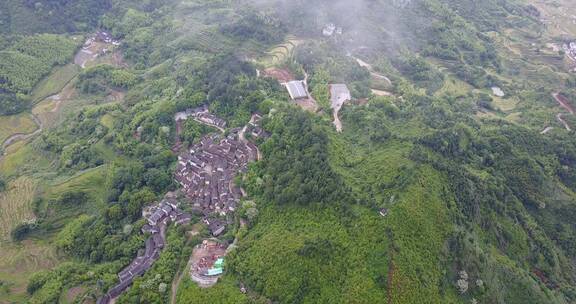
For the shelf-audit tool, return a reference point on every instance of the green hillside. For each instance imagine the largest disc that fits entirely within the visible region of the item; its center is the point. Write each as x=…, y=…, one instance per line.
x=451, y=180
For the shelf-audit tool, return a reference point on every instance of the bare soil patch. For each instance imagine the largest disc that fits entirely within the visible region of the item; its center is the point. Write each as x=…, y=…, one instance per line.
x=74, y=292
x=282, y=75
x=381, y=93
x=307, y=104
x=564, y=102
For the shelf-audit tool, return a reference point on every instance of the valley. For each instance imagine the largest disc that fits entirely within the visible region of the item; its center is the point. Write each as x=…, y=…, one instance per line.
x=253, y=151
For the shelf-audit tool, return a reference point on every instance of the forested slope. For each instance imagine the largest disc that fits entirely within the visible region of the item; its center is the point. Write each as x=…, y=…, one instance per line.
x=438, y=189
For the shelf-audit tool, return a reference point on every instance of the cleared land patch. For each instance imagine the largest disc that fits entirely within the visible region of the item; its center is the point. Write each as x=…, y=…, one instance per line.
x=16, y=205
x=21, y=158
x=50, y=109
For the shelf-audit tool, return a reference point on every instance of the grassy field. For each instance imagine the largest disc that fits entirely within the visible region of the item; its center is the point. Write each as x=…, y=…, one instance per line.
x=22, y=158
x=21, y=123
x=108, y=121
x=454, y=87
x=16, y=205
x=50, y=111
x=18, y=262
x=505, y=104
x=54, y=83
x=91, y=181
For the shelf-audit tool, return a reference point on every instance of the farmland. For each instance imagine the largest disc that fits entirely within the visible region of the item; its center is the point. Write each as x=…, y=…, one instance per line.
x=55, y=82
x=436, y=190
x=18, y=262
x=20, y=123
x=16, y=205
x=280, y=53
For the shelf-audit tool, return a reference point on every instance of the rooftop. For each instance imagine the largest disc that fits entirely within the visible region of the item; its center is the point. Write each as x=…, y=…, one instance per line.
x=296, y=89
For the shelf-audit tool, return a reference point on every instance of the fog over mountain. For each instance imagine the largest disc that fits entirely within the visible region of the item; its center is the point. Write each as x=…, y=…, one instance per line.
x=287, y=151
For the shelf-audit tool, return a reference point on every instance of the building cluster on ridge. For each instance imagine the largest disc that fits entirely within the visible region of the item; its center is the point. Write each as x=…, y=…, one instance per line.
x=206, y=173
x=202, y=115
x=158, y=217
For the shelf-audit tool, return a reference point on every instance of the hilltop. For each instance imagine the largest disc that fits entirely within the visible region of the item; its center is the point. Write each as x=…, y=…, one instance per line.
x=251, y=151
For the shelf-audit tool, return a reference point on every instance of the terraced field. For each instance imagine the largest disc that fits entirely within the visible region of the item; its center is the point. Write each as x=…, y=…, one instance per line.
x=204, y=40
x=54, y=83
x=555, y=15
x=18, y=262
x=280, y=53
x=21, y=123
x=16, y=205
x=90, y=181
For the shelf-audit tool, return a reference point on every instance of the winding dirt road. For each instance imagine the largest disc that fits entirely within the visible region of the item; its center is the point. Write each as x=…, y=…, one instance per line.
x=23, y=136
x=564, y=103
x=368, y=66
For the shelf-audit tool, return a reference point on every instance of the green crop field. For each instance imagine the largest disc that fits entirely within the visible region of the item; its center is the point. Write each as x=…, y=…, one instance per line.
x=91, y=181
x=55, y=82
x=20, y=123
x=280, y=53
x=22, y=158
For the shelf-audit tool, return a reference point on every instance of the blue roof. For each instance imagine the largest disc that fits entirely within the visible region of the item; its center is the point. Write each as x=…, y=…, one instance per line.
x=215, y=271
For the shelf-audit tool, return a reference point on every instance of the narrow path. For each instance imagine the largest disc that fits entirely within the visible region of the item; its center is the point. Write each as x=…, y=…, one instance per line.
x=307, y=89
x=564, y=103
x=546, y=130
x=210, y=125
x=177, y=282
x=364, y=64
x=242, y=137
x=337, y=121
x=381, y=93
x=563, y=122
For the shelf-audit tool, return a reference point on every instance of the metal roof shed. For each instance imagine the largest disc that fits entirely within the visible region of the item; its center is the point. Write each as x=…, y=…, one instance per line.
x=214, y=271
x=296, y=89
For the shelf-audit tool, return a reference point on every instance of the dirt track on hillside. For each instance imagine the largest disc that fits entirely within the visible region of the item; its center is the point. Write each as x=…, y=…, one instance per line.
x=564, y=103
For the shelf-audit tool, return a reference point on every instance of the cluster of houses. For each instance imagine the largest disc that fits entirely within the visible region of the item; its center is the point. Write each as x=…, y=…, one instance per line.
x=331, y=29
x=95, y=46
x=159, y=216
x=102, y=36
x=206, y=173
x=210, y=266
x=202, y=115
x=570, y=49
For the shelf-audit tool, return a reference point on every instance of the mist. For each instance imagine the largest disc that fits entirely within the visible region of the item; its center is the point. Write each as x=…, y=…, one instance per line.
x=365, y=24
